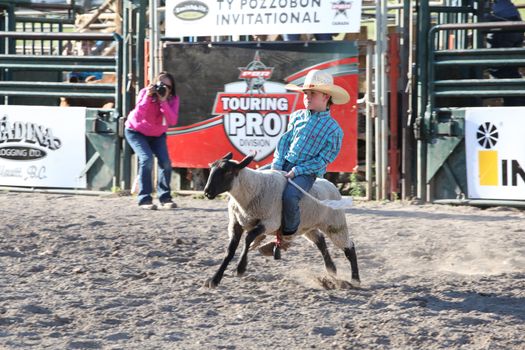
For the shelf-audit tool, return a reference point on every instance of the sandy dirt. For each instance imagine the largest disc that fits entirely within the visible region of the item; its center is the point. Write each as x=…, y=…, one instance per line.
x=96, y=272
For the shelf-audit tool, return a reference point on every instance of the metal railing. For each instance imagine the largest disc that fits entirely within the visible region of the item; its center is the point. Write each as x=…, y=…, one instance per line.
x=41, y=25
x=465, y=59
x=10, y=63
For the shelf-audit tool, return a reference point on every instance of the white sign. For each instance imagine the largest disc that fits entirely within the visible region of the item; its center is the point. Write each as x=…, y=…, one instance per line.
x=42, y=146
x=254, y=122
x=495, y=146
x=245, y=17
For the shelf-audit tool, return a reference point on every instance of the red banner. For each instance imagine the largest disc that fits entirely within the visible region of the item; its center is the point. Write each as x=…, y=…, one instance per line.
x=252, y=111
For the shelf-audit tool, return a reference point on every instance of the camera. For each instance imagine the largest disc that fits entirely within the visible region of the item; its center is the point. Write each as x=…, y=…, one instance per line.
x=160, y=88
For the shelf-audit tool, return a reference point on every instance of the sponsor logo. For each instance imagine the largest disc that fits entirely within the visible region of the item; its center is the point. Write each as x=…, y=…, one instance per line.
x=190, y=10
x=492, y=170
x=340, y=8
x=25, y=141
x=487, y=135
x=255, y=74
x=340, y=16
x=21, y=153
x=255, y=118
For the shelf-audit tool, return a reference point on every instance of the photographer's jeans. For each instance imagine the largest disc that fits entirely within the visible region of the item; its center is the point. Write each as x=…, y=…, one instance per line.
x=146, y=148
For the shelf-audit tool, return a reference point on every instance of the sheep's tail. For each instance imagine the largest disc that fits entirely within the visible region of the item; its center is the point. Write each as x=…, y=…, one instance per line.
x=339, y=204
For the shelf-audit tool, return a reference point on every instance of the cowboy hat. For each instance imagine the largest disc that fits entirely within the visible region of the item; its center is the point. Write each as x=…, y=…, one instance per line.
x=317, y=80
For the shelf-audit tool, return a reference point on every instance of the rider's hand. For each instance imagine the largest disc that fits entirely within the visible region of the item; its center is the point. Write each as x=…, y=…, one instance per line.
x=290, y=174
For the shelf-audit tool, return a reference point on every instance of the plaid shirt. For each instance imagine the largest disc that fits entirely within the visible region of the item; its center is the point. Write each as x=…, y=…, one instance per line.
x=312, y=141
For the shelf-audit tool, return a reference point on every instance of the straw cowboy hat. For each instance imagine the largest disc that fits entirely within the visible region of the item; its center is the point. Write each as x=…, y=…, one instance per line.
x=317, y=80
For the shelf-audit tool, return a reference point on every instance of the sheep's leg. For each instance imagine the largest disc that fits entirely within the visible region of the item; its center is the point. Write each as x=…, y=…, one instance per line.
x=250, y=237
x=352, y=257
x=235, y=237
x=341, y=239
x=316, y=237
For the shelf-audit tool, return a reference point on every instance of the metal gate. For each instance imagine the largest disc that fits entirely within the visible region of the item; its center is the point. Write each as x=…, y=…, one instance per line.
x=36, y=79
x=457, y=80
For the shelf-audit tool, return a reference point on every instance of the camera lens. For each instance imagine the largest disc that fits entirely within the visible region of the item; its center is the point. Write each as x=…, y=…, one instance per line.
x=160, y=88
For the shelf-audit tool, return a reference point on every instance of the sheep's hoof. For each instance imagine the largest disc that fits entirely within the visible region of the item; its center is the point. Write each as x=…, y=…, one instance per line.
x=276, y=253
x=332, y=272
x=211, y=283
x=356, y=283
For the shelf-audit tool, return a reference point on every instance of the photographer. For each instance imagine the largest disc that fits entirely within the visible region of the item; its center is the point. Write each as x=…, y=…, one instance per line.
x=157, y=108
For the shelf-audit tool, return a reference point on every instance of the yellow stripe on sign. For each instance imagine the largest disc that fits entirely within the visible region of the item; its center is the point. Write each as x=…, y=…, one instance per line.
x=488, y=168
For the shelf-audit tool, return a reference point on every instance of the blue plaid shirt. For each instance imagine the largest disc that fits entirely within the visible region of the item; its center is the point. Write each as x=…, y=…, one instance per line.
x=311, y=142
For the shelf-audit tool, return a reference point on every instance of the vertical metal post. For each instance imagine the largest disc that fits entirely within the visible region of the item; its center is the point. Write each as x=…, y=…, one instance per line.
x=118, y=99
x=126, y=66
x=119, y=71
x=10, y=43
x=378, y=99
x=60, y=29
x=407, y=112
x=3, y=48
x=2, y=28
x=127, y=71
x=141, y=37
x=369, y=115
x=159, y=58
x=154, y=39
x=423, y=27
x=154, y=55
x=11, y=21
x=384, y=100
x=381, y=99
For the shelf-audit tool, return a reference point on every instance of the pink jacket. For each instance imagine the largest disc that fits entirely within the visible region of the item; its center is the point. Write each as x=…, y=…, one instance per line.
x=147, y=116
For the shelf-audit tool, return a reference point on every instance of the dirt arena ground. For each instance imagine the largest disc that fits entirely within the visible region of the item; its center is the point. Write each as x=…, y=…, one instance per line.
x=96, y=272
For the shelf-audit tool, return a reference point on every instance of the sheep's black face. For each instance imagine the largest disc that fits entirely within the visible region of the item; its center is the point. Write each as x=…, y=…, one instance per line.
x=221, y=178
x=222, y=174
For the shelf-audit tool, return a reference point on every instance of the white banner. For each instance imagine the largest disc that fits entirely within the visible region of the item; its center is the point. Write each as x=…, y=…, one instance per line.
x=42, y=146
x=245, y=17
x=495, y=146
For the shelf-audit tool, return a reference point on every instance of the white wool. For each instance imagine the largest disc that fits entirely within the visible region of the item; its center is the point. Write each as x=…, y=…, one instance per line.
x=256, y=197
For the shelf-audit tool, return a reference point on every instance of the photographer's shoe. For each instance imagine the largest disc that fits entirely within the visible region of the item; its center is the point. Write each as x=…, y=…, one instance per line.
x=148, y=206
x=168, y=205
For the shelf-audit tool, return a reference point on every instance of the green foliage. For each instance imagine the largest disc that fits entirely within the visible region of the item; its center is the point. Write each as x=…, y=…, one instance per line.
x=356, y=188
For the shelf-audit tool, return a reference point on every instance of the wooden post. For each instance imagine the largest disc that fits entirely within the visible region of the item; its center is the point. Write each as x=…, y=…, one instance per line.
x=393, y=57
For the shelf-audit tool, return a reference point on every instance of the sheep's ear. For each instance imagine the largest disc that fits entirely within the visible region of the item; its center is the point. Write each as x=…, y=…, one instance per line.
x=247, y=160
x=228, y=156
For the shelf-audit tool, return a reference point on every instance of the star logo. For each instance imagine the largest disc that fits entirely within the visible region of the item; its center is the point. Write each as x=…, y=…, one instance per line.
x=340, y=7
x=255, y=74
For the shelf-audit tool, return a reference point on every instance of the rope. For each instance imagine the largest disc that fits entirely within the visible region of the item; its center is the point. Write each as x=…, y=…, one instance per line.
x=335, y=204
x=304, y=192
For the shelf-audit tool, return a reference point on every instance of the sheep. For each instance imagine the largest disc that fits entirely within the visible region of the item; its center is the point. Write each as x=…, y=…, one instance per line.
x=255, y=207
